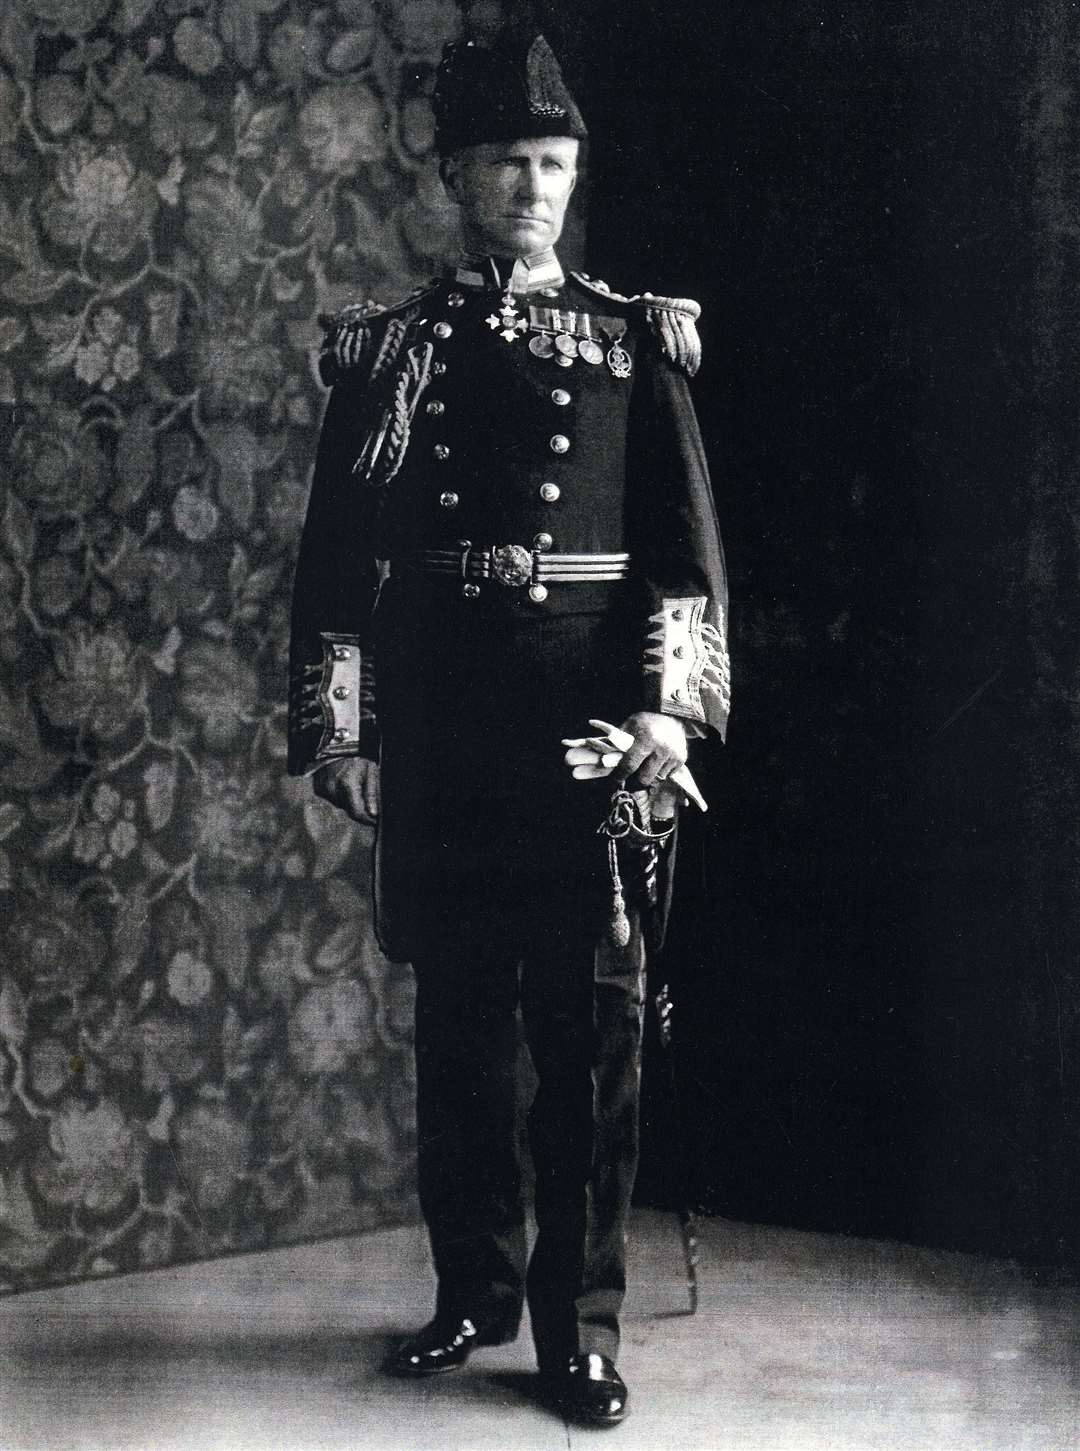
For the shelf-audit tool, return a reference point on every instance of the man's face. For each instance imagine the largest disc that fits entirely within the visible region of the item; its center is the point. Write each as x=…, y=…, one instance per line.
x=513, y=195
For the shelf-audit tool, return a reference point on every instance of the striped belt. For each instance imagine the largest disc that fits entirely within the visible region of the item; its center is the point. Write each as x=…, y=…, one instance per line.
x=513, y=565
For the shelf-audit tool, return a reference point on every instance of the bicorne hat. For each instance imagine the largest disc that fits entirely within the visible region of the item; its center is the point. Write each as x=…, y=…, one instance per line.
x=509, y=91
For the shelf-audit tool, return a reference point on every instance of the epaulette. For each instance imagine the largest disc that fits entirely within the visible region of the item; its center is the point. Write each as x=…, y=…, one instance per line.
x=672, y=319
x=348, y=333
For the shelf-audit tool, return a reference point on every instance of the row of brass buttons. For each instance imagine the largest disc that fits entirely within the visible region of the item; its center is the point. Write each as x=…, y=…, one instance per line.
x=549, y=493
x=537, y=592
x=558, y=443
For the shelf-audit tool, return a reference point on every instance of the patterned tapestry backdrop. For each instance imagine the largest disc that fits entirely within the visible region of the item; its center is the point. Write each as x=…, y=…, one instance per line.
x=201, y=1049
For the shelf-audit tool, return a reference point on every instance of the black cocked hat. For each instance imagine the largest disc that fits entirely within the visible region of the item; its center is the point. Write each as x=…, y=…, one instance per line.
x=509, y=91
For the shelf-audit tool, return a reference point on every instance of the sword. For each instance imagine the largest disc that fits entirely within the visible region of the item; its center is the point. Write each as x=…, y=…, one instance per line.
x=591, y=757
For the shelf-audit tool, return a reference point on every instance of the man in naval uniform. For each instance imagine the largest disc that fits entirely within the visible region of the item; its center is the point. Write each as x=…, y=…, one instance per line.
x=511, y=532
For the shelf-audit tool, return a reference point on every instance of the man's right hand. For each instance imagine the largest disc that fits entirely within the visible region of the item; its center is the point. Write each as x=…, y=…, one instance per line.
x=351, y=784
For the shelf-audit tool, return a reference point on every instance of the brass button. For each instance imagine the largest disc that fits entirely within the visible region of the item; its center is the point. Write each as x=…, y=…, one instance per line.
x=543, y=542
x=549, y=292
x=538, y=593
x=441, y=452
x=341, y=692
x=435, y=409
x=549, y=493
x=677, y=614
x=455, y=299
x=449, y=500
x=341, y=734
x=438, y=369
x=679, y=651
x=559, y=443
x=442, y=329
x=560, y=397
x=469, y=591
x=342, y=652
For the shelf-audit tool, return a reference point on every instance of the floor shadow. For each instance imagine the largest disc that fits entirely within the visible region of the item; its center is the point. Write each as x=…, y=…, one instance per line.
x=527, y=1386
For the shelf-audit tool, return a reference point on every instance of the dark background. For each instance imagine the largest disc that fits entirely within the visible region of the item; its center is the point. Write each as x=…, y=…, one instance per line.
x=875, y=945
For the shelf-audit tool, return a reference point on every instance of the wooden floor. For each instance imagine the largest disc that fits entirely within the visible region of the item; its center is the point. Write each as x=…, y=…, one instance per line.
x=802, y=1343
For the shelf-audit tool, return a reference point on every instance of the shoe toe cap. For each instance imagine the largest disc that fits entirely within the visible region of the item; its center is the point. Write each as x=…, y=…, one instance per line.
x=594, y=1391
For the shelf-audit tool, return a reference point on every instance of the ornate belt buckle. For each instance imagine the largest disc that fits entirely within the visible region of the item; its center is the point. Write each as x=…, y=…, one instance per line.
x=511, y=564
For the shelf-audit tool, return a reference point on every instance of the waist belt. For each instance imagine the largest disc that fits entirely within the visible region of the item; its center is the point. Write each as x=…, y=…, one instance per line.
x=513, y=565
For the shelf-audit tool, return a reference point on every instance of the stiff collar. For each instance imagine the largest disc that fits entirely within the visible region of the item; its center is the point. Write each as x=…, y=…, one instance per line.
x=524, y=274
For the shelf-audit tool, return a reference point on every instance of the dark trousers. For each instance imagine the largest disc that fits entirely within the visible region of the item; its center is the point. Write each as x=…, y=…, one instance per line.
x=582, y=1005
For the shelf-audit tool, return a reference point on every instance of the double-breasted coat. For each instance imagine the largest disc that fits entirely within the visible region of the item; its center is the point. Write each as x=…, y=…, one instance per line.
x=510, y=530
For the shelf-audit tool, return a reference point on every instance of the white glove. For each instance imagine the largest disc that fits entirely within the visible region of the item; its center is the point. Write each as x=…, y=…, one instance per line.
x=591, y=757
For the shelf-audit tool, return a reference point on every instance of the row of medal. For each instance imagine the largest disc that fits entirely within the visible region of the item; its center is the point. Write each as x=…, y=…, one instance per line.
x=565, y=336
x=558, y=334
x=564, y=348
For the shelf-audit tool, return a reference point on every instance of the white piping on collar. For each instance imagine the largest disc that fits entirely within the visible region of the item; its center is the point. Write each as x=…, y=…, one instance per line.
x=528, y=274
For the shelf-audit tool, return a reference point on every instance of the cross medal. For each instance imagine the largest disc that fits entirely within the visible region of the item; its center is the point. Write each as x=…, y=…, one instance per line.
x=507, y=324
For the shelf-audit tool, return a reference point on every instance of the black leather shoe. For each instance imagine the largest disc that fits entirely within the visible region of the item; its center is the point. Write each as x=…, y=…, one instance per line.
x=446, y=1345
x=591, y=1391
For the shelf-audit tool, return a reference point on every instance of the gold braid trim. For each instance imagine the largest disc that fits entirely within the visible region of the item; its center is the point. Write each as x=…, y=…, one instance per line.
x=397, y=439
x=348, y=334
x=673, y=321
x=690, y=656
x=389, y=348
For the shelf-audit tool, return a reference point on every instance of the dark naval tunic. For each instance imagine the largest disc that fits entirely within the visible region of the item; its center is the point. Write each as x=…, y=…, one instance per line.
x=510, y=531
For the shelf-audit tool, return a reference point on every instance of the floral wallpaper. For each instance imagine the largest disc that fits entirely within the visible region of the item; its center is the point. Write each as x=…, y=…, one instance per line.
x=201, y=1049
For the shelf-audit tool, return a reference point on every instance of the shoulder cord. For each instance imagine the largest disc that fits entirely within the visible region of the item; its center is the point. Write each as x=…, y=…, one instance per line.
x=412, y=380
x=384, y=448
x=389, y=348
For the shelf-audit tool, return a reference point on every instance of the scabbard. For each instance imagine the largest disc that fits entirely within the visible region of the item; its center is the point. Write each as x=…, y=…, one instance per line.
x=664, y=1006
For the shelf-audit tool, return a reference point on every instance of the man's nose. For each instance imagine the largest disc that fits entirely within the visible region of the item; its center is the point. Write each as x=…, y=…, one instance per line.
x=530, y=183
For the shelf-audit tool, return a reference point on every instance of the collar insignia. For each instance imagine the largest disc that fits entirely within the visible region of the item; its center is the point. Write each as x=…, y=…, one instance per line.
x=526, y=275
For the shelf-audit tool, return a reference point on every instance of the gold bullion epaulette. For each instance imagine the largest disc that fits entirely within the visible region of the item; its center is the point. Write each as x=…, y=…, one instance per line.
x=348, y=335
x=672, y=319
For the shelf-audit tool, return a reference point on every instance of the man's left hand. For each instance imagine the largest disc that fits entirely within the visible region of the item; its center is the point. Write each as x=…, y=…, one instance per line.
x=659, y=748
